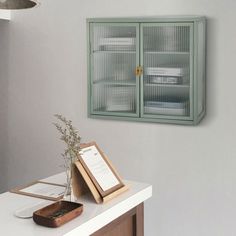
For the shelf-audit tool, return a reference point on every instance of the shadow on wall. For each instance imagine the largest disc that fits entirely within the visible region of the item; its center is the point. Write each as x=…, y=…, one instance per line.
x=211, y=73
x=4, y=65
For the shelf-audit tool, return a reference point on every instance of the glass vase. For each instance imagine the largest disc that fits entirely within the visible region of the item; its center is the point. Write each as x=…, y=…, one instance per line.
x=69, y=194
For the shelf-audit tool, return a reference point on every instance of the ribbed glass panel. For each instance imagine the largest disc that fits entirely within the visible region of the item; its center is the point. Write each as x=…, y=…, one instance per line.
x=114, y=63
x=166, y=59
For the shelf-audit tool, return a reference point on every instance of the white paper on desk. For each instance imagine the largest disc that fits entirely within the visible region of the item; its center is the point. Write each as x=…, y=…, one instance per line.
x=99, y=168
x=44, y=189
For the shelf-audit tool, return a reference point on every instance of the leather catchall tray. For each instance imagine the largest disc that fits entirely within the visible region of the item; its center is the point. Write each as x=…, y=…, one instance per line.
x=57, y=213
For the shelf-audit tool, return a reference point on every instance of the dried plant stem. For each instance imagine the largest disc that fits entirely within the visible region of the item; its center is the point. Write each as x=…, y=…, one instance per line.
x=69, y=135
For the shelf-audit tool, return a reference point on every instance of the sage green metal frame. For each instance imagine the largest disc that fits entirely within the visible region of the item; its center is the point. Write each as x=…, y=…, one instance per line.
x=192, y=21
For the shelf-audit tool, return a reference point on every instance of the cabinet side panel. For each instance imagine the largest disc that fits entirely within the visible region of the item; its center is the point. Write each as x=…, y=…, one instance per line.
x=201, y=48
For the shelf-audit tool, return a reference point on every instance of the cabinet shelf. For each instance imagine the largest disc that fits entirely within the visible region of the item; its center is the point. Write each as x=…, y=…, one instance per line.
x=113, y=51
x=181, y=86
x=115, y=82
x=166, y=53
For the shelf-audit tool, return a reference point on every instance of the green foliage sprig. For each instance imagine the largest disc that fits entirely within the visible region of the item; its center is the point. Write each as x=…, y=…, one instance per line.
x=70, y=135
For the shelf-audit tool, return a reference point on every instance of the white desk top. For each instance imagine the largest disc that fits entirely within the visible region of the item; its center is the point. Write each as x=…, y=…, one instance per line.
x=94, y=216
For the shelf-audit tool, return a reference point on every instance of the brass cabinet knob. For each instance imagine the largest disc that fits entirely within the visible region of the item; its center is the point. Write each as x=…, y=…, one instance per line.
x=139, y=71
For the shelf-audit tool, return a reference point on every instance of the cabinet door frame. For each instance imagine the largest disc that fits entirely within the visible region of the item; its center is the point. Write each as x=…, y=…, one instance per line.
x=191, y=67
x=90, y=43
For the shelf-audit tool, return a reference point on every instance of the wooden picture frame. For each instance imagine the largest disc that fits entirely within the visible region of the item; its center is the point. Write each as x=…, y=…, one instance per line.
x=91, y=175
x=19, y=190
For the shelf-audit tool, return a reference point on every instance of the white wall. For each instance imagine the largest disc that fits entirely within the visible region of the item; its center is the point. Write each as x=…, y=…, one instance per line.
x=192, y=169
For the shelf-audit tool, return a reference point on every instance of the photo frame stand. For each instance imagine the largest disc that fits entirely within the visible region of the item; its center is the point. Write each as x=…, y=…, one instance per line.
x=83, y=182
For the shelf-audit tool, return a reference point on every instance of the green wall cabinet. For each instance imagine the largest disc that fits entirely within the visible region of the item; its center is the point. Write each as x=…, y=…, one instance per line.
x=147, y=69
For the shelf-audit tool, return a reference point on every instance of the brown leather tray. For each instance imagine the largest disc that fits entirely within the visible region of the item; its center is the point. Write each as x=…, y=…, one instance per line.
x=57, y=213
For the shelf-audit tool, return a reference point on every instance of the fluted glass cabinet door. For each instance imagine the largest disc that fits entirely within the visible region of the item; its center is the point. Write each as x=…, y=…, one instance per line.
x=114, y=56
x=167, y=80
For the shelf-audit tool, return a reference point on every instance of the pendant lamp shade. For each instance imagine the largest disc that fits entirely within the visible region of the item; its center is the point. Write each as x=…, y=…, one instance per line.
x=17, y=4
